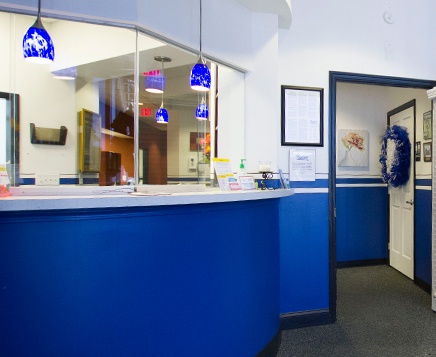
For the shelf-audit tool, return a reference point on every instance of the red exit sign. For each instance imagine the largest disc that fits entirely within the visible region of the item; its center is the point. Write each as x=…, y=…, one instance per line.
x=145, y=112
x=155, y=72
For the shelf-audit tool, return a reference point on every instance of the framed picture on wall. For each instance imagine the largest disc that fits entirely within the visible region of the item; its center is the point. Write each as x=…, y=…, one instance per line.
x=427, y=152
x=302, y=116
x=427, y=126
x=418, y=151
x=353, y=148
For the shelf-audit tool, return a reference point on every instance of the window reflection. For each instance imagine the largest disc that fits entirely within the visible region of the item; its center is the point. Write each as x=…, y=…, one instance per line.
x=104, y=84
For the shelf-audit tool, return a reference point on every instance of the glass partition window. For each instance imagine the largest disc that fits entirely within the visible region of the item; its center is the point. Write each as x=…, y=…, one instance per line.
x=95, y=94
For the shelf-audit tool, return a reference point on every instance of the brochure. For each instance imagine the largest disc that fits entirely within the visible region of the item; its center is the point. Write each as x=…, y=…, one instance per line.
x=226, y=180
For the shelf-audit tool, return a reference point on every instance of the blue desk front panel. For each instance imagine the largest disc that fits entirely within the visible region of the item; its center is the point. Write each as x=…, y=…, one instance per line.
x=194, y=280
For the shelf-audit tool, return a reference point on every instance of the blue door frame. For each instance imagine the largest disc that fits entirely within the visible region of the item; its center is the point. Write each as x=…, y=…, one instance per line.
x=356, y=78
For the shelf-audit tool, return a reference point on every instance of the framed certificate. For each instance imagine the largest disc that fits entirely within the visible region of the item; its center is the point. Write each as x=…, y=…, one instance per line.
x=89, y=141
x=302, y=116
x=427, y=125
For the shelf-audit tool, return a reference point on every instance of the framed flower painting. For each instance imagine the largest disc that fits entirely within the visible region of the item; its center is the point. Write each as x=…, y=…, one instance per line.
x=353, y=148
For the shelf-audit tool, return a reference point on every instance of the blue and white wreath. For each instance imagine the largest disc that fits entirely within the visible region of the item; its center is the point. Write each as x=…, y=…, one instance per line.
x=395, y=156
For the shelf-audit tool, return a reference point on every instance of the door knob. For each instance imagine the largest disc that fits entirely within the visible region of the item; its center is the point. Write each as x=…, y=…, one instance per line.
x=410, y=202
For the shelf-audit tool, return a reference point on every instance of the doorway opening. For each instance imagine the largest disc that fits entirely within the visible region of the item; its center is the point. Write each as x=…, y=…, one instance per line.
x=334, y=79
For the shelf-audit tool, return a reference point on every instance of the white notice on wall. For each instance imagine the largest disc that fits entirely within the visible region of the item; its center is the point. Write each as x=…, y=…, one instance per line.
x=302, y=165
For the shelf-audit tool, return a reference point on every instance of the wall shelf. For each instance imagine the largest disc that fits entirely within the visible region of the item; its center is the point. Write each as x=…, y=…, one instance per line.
x=48, y=136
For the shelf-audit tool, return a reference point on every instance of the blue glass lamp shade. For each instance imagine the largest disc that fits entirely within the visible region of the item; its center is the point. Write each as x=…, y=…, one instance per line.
x=200, y=77
x=37, y=44
x=162, y=116
x=155, y=83
x=202, y=112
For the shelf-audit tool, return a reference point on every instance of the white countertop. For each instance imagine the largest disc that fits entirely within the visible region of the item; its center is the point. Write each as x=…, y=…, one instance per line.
x=110, y=197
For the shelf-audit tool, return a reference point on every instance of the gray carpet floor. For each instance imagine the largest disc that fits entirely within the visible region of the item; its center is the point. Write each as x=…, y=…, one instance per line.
x=380, y=312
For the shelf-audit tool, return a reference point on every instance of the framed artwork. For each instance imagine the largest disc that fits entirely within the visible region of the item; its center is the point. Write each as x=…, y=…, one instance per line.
x=89, y=141
x=418, y=151
x=193, y=141
x=427, y=125
x=353, y=148
x=197, y=140
x=427, y=152
x=302, y=116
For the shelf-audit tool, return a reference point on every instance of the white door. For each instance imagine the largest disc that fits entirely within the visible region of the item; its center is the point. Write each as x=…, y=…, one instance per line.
x=401, y=202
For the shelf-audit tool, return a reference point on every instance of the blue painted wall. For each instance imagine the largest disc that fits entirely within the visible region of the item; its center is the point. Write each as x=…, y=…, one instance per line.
x=197, y=280
x=423, y=226
x=304, y=247
x=361, y=223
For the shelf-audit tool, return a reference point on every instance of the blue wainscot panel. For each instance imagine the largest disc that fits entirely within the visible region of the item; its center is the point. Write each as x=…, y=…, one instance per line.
x=361, y=223
x=423, y=235
x=195, y=280
x=304, y=253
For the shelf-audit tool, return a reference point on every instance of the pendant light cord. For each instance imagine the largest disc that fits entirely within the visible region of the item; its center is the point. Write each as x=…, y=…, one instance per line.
x=162, y=62
x=39, y=8
x=200, y=29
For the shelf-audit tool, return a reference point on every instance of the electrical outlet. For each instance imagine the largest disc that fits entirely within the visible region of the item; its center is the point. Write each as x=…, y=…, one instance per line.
x=192, y=164
x=47, y=180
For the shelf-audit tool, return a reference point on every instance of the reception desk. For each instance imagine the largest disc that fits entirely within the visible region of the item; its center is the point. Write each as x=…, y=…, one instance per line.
x=191, y=274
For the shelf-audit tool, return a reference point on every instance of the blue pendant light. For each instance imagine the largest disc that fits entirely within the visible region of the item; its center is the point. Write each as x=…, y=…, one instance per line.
x=202, y=111
x=162, y=115
x=200, y=74
x=37, y=44
x=155, y=81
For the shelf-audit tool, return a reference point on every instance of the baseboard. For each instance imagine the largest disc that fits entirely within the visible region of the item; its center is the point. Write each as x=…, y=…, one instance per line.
x=305, y=319
x=361, y=263
x=423, y=285
x=272, y=348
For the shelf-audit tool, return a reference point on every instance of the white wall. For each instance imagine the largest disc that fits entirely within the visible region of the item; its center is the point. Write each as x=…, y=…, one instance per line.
x=80, y=43
x=44, y=104
x=25, y=79
x=351, y=36
x=262, y=99
x=364, y=107
x=231, y=124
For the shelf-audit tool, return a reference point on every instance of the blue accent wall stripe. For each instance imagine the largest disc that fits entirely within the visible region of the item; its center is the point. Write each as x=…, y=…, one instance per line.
x=69, y=181
x=423, y=182
x=90, y=180
x=359, y=180
x=26, y=181
x=322, y=183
